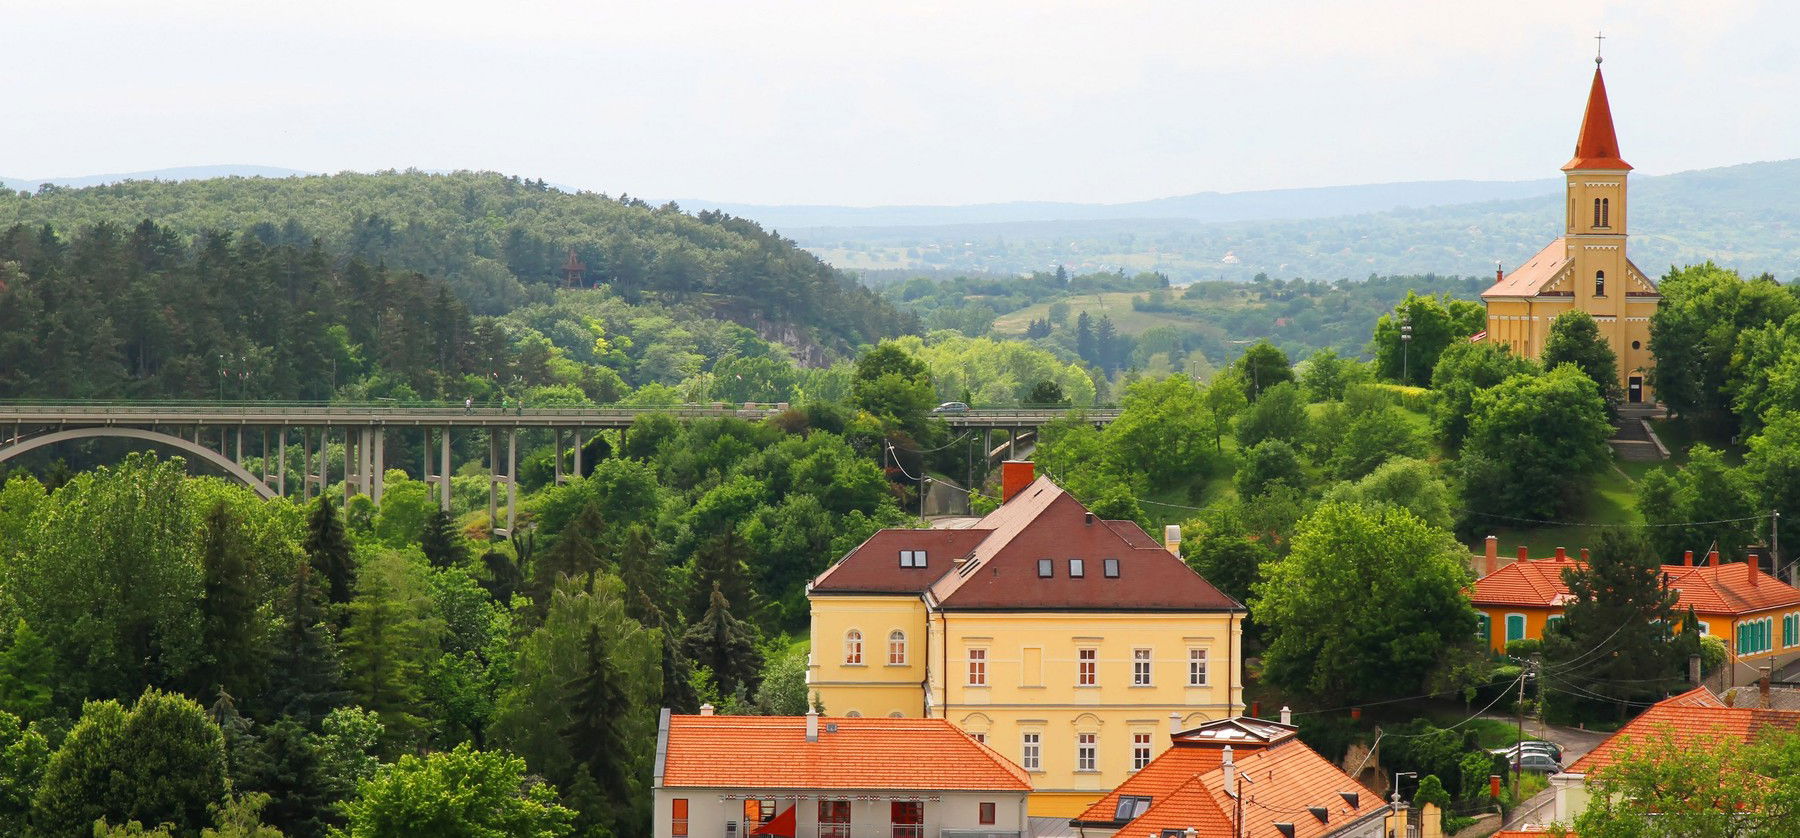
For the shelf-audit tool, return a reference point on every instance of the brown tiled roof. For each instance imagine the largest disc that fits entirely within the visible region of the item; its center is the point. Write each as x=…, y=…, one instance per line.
x=1726, y=590
x=1134, y=534
x=874, y=566
x=1530, y=278
x=1695, y=717
x=1597, y=147
x=1284, y=782
x=771, y=752
x=1044, y=522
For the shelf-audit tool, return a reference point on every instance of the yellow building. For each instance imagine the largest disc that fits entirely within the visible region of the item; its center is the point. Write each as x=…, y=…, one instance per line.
x=1587, y=267
x=1073, y=645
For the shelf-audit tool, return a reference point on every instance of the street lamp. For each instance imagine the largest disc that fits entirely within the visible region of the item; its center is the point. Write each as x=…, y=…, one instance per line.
x=1405, y=345
x=1397, y=776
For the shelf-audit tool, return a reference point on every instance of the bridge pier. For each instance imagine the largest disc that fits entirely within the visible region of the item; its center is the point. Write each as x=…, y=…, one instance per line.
x=281, y=464
x=578, y=444
x=444, y=470
x=510, y=479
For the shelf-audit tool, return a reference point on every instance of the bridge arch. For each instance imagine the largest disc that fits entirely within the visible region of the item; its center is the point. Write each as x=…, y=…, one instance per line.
x=230, y=466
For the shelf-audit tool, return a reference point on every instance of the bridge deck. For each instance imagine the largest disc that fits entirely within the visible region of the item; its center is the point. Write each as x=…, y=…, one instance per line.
x=268, y=415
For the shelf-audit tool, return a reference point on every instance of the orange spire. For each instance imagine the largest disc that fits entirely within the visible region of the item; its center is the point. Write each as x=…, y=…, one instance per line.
x=1598, y=146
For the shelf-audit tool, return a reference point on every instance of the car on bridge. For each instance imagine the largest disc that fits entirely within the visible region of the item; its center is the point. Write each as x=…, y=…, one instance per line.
x=951, y=407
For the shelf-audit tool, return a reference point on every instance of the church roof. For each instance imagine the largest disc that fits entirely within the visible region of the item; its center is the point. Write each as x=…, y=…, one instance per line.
x=1598, y=146
x=1530, y=278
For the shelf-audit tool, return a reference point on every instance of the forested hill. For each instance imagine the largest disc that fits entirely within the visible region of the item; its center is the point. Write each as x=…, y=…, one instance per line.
x=500, y=243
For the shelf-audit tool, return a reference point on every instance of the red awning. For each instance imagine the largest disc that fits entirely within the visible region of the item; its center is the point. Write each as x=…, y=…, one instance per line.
x=781, y=825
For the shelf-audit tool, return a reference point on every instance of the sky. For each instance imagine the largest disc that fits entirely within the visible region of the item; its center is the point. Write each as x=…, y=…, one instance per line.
x=912, y=102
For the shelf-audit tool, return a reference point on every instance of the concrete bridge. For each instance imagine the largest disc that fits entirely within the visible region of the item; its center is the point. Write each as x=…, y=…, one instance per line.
x=216, y=433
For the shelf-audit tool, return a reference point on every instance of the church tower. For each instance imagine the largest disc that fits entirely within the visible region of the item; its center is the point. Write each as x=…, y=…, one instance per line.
x=1587, y=268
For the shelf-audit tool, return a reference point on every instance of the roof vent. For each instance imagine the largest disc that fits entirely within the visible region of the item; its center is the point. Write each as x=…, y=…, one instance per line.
x=1087, y=518
x=831, y=727
x=1351, y=798
x=1286, y=829
x=1320, y=812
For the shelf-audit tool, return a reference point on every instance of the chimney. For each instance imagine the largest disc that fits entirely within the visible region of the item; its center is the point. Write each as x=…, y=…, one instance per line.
x=1562, y=555
x=1493, y=556
x=1174, y=723
x=1230, y=773
x=812, y=725
x=1584, y=554
x=1499, y=275
x=1287, y=716
x=706, y=709
x=1015, y=475
x=1524, y=553
x=1687, y=558
x=1762, y=689
x=1172, y=538
x=1694, y=670
x=1712, y=558
x=1750, y=573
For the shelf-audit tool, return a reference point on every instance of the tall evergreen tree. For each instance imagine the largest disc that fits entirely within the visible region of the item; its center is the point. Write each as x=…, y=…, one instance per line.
x=306, y=677
x=388, y=641
x=725, y=645
x=286, y=767
x=575, y=553
x=439, y=543
x=597, y=708
x=230, y=624
x=1616, y=638
x=27, y=674
x=328, y=549
x=719, y=566
x=1085, y=348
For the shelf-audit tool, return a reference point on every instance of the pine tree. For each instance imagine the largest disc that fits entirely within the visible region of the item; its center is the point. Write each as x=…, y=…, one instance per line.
x=725, y=645
x=1085, y=347
x=228, y=608
x=1616, y=637
x=438, y=541
x=597, y=705
x=719, y=566
x=576, y=551
x=640, y=568
x=328, y=549
x=306, y=679
x=388, y=640
x=286, y=767
x=1106, y=345
x=27, y=671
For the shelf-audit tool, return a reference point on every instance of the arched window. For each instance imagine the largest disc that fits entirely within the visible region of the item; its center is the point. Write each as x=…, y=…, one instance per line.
x=853, y=647
x=1596, y=212
x=1599, y=283
x=1605, y=212
x=896, y=647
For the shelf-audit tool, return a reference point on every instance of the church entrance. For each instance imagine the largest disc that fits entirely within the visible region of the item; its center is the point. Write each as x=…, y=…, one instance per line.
x=1634, y=392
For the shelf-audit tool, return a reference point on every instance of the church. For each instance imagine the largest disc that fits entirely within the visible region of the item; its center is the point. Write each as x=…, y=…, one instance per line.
x=1587, y=267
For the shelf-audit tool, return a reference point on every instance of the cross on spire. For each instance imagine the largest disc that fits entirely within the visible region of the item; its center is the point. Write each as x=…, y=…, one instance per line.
x=1598, y=38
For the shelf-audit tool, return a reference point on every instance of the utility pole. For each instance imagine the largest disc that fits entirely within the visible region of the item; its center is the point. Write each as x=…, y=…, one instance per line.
x=1775, y=545
x=1518, y=749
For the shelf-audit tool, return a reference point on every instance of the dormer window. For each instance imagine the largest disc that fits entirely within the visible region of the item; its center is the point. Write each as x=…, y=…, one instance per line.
x=1077, y=568
x=1131, y=807
x=1110, y=567
x=912, y=558
x=1046, y=568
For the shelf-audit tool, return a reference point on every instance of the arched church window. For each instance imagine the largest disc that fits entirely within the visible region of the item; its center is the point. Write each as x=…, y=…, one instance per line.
x=1596, y=212
x=1599, y=283
x=1605, y=212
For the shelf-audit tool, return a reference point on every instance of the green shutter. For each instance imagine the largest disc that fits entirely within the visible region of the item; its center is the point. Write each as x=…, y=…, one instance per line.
x=1515, y=627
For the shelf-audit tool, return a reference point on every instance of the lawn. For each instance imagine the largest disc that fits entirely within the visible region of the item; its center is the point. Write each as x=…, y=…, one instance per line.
x=1113, y=304
x=1612, y=499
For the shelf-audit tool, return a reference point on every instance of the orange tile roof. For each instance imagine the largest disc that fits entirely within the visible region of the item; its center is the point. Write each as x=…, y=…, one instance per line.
x=1283, y=783
x=1694, y=717
x=1533, y=833
x=1729, y=590
x=1530, y=278
x=771, y=752
x=1597, y=147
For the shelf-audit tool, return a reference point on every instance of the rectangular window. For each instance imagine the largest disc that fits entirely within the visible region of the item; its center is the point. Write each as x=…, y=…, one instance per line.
x=1515, y=627
x=1046, y=568
x=758, y=813
x=1111, y=568
x=909, y=818
x=977, y=667
x=1196, y=667
x=1085, y=746
x=1086, y=667
x=987, y=814
x=834, y=819
x=1140, y=667
x=1130, y=806
x=979, y=737
x=1030, y=749
x=678, y=817
x=1140, y=751
x=1077, y=568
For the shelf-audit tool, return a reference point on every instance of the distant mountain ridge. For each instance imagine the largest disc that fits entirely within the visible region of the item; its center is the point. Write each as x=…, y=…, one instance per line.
x=1310, y=202
x=174, y=174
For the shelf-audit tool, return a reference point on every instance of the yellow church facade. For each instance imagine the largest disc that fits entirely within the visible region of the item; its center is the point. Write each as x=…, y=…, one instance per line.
x=1073, y=646
x=1587, y=268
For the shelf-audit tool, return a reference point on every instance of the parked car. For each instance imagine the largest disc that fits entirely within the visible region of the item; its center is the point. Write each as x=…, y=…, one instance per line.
x=951, y=407
x=1535, y=762
x=1533, y=746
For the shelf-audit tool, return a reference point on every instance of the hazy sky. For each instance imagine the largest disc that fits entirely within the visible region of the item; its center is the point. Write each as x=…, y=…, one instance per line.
x=907, y=101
